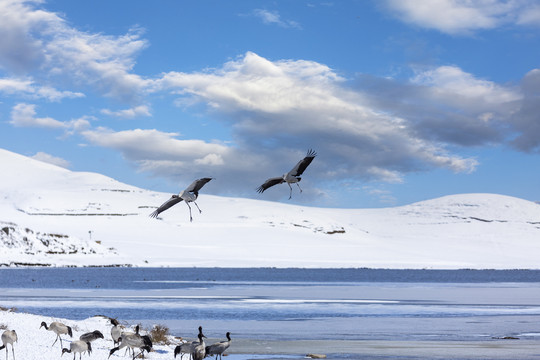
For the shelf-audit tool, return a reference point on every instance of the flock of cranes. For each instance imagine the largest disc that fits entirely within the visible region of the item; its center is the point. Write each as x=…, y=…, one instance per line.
x=135, y=343
x=191, y=193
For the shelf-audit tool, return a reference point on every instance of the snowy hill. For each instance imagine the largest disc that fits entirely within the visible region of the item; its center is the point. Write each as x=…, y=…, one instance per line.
x=53, y=216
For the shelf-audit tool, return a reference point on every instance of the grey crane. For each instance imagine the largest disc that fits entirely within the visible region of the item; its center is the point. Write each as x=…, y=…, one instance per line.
x=219, y=347
x=9, y=337
x=129, y=348
x=91, y=336
x=199, y=351
x=78, y=346
x=59, y=329
x=116, y=331
x=185, y=348
x=190, y=194
x=292, y=177
x=188, y=347
x=142, y=342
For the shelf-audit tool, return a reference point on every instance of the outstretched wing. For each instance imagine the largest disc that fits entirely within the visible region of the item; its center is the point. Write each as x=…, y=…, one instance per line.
x=303, y=164
x=197, y=185
x=167, y=204
x=269, y=183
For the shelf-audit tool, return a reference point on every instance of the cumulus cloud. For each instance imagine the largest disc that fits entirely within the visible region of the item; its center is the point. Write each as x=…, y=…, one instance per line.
x=277, y=108
x=48, y=158
x=164, y=154
x=152, y=144
x=28, y=88
x=35, y=38
x=24, y=115
x=463, y=16
x=447, y=105
x=527, y=119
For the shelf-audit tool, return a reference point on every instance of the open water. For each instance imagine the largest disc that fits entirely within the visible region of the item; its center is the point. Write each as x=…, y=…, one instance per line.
x=290, y=304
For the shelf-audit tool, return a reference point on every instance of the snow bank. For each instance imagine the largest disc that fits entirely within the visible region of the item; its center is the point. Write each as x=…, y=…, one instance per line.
x=35, y=342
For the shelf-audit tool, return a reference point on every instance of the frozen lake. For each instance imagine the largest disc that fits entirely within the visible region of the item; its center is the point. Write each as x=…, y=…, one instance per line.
x=273, y=311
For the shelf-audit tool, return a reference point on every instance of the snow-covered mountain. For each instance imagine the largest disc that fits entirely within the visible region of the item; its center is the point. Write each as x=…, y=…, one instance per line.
x=53, y=216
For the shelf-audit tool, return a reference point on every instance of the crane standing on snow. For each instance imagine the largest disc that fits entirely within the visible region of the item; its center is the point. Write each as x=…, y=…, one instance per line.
x=292, y=177
x=9, y=337
x=78, y=346
x=59, y=329
x=190, y=194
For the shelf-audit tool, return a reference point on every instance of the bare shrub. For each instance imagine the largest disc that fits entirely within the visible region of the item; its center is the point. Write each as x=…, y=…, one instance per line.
x=160, y=334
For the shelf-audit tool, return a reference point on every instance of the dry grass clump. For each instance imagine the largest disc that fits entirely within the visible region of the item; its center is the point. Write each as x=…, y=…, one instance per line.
x=160, y=334
x=12, y=309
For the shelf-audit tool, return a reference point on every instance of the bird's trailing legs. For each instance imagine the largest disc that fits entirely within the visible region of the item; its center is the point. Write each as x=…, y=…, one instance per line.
x=190, y=217
x=200, y=211
x=290, y=187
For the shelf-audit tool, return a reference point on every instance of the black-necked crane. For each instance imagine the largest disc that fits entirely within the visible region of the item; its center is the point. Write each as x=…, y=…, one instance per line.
x=199, y=351
x=190, y=194
x=91, y=336
x=9, y=337
x=129, y=348
x=59, y=329
x=116, y=331
x=185, y=348
x=78, y=346
x=142, y=342
x=219, y=347
x=188, y=347
x=292, y=177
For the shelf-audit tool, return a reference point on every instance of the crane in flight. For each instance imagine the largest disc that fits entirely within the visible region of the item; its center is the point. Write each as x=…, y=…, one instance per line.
x=190, y=194
x=292, y=177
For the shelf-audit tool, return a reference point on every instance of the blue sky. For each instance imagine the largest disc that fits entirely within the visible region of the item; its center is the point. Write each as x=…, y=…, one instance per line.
x=403, y=100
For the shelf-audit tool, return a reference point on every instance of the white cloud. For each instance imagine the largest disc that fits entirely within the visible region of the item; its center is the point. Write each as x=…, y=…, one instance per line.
x=141, y=110
x=283, y=105
x=35, y=38
x=464, y=16
x=447, y=81
x=273, y=18
x=26, y=87
x=141, y=144
x=163, y=154
x=24, y=115
x=41, y=156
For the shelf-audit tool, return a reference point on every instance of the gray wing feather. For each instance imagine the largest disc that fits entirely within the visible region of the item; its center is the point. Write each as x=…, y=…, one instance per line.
x=167, y=204
x=269, y=183
x=197, y=185
x=303, y=164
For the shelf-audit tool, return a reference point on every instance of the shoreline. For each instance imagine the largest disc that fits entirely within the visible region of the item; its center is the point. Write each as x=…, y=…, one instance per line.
x=35, y=343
